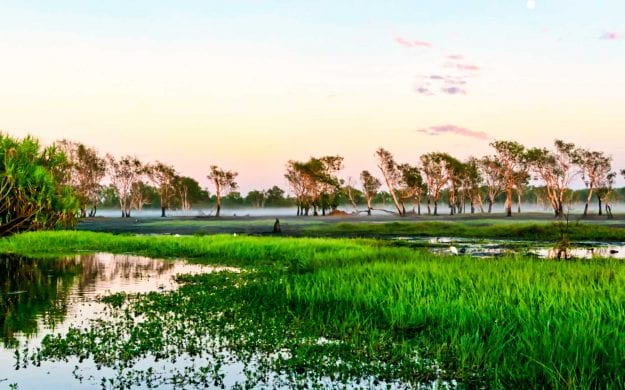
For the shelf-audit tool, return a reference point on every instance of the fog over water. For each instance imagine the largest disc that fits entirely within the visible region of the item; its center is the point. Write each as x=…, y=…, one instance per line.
x=443, y=209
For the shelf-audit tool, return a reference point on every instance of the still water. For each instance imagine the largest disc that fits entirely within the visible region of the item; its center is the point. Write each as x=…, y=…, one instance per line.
x=48, y=296
x=496, y=248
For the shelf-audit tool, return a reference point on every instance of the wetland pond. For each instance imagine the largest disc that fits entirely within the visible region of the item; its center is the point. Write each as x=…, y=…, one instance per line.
x=482, y=248
x=39, y=297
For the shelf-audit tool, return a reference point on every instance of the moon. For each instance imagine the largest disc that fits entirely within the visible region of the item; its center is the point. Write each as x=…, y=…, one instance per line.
x=531, y=4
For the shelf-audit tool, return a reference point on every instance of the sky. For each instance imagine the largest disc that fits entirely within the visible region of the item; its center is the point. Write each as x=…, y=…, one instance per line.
x=249, y=85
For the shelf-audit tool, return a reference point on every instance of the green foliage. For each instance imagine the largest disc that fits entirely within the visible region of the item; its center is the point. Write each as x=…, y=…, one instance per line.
x=32, y=195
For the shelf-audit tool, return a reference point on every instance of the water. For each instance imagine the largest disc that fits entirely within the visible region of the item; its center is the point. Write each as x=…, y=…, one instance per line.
x=497, y=248
x=40, y=297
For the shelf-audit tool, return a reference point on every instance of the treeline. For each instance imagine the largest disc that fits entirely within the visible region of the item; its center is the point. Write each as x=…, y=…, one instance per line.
x=53, y=186
x=511, y=172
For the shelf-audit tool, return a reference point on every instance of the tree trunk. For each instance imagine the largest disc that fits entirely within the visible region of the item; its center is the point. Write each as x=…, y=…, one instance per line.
x=490, y=205
x=518, y=202
x=599, y=199
x=435, y=207
x=163, y=212
x=588, y=198
x=509, y=202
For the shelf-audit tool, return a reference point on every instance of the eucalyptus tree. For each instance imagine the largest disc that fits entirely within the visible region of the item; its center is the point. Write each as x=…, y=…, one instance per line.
x=595, y=167
x=329, y=181
x=370, y=187
x=141, y=194
x=353, y=194
x=492, y=174
x=471, y=180
x=512, y=159
x=224, y=182
x=434, y=166
x=411, y=186
x=297, y=184
x=454, y=171
x=187, y=191
x=604, y=193
x=555, y=168
x=315, y=183
x=85, y=173
x=163, y=176
x=392, y=175
x=33, y=194
x=124, y=173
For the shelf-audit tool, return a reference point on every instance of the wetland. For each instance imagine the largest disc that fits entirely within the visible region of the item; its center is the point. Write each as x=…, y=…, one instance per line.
x=305, y=312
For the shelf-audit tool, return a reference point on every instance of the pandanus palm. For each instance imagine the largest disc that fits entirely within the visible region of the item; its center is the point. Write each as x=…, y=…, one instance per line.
x=31, y=196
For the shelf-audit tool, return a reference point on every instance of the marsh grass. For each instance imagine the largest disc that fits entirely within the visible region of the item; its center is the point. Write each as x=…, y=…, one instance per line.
x=535, y=230
x=394, y=314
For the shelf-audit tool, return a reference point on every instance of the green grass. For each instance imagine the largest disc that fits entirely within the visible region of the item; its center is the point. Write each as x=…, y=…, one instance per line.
x=512, y=323
x=535, y=230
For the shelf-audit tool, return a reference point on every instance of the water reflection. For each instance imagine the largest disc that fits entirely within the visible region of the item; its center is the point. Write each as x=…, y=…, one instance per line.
x=44, y=294
x=497, y=248
x=33, y=292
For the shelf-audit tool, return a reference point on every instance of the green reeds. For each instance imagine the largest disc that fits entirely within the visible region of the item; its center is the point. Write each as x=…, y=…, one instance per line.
x=393, y=314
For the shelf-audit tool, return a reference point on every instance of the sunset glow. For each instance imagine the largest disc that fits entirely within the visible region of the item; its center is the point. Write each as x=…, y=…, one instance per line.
x=249, y=85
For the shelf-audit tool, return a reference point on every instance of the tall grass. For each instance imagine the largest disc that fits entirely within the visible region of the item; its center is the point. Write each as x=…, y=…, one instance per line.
x=512, y=322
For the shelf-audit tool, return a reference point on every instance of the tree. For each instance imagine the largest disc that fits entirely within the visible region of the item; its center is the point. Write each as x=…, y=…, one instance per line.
x=392, y=176
x=275, y=197
x=141, y=194
x=256, y=198
x=353, y=194
x=556, y=169
x=411, y=186
x=454, y=171
x=224, y=182
x=315, y=183
x=370, y=187
x=512, y=158
x=163, y=176
x=86, y=171
x=187, y=191
x=492, y=172
x=434, y=166
x=471, y=180
x=124, y=173
x=604, y=193
x=33, y=195
x=595, y=167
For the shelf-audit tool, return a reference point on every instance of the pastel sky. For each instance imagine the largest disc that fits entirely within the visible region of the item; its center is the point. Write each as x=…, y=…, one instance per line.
x=248, y=85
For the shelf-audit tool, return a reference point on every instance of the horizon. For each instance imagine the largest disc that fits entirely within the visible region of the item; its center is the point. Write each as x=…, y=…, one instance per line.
x=248, y=86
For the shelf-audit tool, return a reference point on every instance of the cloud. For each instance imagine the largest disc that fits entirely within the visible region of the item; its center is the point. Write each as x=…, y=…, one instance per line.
x=453, y=129
x=468, y=67
x=455, y=57
x=453, y=90
x=412, y=43
x=423, y=90
x=611, y=36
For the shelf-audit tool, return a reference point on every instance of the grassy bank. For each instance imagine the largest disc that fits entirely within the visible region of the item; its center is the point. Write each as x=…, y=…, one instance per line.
x=535, y=230
x=351, y=309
